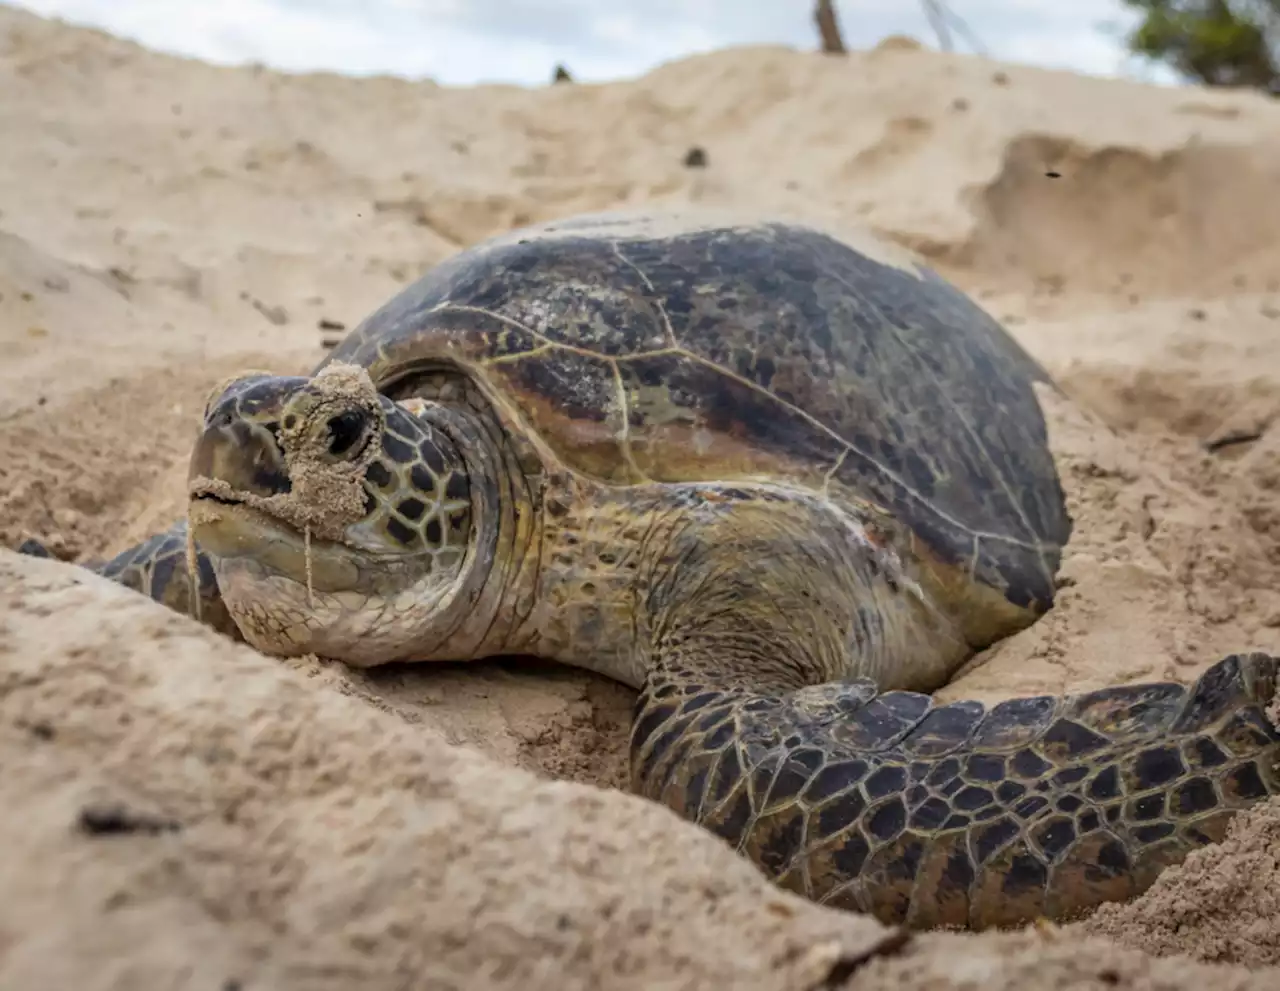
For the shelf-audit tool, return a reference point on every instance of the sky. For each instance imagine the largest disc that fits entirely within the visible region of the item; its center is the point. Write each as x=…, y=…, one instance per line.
x=461, y=42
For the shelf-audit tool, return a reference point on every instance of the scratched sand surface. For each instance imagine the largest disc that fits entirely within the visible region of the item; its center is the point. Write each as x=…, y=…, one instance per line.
x=164, y=223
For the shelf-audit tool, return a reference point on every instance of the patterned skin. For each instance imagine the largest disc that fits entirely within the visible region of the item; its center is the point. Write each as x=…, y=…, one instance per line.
x=779, y=481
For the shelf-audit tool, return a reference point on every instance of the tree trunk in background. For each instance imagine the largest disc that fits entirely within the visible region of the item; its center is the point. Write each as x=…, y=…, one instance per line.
x=824, y=15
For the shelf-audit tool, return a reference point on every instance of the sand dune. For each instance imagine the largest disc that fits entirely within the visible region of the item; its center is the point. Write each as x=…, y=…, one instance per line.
x=164, y=223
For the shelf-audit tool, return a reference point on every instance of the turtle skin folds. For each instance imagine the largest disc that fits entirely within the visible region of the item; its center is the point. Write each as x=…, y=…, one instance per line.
x=963, y=815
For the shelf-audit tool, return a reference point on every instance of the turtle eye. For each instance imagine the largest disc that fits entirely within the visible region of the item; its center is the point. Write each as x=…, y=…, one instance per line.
x=345, y=430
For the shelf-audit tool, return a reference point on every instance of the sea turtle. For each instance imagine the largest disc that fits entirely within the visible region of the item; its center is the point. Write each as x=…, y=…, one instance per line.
x=780, y=480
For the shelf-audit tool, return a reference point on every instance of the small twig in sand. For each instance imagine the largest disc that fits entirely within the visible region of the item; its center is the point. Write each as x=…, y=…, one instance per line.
x=306, y=553
x=331, y=332
x=116, y=818
x=1232, y=438
x=193, y=575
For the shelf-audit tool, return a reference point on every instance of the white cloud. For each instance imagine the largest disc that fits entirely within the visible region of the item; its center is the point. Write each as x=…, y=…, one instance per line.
x=468, y=41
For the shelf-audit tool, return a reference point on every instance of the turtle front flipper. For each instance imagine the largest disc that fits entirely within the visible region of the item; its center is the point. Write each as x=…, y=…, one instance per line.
x=961, y=815
x=158, y=568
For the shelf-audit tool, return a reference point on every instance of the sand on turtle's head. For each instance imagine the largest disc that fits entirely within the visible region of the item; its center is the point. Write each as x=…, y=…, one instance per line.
x=327, y=496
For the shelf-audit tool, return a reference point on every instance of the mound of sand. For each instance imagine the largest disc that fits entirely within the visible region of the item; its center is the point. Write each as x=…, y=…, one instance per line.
x=194, y=815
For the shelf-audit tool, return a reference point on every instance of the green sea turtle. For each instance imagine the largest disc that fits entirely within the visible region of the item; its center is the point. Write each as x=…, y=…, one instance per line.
x=780, y=481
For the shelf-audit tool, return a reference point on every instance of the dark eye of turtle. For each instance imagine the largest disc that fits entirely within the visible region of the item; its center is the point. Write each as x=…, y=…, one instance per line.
x=344, y=430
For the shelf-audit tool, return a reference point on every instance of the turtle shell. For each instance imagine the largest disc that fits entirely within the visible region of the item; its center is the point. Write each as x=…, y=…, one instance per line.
x=700, y=347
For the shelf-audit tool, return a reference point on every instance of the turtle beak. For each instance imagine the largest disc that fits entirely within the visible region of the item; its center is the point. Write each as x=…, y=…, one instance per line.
x=244, y=457
x=238, y=453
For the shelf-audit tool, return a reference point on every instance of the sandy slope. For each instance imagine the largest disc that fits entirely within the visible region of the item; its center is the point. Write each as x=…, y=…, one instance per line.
x=163, y=223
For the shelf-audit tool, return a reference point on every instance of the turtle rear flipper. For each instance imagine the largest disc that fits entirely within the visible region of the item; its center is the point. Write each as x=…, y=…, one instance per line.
x=961, y=815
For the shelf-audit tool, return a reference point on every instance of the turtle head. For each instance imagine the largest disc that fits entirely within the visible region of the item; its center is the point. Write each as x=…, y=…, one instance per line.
x=337, y=521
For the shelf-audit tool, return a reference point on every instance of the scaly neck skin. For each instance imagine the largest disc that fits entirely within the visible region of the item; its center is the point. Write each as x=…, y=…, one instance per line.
x=492, y=601
x=789, y=579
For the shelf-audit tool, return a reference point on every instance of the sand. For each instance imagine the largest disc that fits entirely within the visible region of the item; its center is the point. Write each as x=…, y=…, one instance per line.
x=194, y=815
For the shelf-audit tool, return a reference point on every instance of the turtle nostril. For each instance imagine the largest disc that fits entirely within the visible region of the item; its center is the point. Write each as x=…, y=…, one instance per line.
x=222, y=415
x=345, y=430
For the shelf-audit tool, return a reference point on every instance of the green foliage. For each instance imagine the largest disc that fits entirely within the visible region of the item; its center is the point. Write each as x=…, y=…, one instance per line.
x=1216, y=42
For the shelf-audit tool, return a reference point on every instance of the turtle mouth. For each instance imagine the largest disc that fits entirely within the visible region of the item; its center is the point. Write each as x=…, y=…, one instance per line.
x=242, y=536
x=222, y=500
x=212, y=513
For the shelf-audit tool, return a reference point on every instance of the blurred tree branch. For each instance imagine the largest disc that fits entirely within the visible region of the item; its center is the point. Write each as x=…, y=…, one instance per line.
x=1215, y=42
x=824, y=15
x=942, y=19
x=937, y=16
